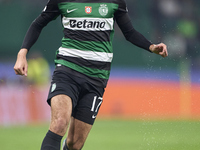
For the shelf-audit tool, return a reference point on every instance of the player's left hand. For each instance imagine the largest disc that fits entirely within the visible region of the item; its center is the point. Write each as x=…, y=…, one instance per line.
x=160, y=49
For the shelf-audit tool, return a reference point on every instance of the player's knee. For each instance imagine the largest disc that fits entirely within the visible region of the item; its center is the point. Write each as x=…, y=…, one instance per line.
x=59, y=125
x=74, y=145
x=61, y=122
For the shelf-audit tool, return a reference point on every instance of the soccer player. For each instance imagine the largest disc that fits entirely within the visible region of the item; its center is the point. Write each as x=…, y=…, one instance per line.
x=82, y=63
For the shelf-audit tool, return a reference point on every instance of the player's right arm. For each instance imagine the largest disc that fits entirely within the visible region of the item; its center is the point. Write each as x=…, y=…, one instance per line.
x=21, y=65
x=50, y=12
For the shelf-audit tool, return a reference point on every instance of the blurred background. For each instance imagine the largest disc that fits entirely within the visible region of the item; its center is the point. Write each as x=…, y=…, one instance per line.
x=142, y=85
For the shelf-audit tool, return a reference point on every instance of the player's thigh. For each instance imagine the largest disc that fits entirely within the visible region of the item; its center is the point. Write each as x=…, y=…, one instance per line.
x=77, y=134
x=61, y=105
x=61, y=109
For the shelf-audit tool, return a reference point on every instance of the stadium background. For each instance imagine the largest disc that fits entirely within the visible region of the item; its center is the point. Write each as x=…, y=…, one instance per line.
x=143, y=86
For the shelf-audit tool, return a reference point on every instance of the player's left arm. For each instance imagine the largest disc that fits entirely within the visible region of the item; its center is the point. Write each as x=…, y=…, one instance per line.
x=124, y=22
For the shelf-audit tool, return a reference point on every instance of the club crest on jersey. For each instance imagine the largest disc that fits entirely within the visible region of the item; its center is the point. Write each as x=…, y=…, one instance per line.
x=103, y=10
x=88, y=9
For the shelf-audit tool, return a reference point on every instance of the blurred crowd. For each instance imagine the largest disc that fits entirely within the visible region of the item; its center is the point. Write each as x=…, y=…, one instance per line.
x=174, y=22
x=178, y=22
x=39, y=72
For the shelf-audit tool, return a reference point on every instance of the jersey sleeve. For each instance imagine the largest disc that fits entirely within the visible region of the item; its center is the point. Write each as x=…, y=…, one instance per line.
x=124, y=22
x=49, y=13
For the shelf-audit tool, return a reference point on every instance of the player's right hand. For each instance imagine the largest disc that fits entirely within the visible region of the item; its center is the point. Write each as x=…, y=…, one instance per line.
x=21, y=65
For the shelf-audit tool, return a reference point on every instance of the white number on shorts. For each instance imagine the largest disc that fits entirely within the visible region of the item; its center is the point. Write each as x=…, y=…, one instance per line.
x=94, y=102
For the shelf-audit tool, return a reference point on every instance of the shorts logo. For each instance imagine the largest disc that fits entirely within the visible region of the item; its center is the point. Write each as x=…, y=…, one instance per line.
x=93, y=116
x=88, y=9
x=103, y=10
x=53, y=87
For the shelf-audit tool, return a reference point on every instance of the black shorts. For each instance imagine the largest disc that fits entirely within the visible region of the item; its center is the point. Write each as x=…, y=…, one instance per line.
x=86, y=97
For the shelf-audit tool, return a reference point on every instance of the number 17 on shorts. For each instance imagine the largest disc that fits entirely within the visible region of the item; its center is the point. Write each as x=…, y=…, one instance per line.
x=97, y=101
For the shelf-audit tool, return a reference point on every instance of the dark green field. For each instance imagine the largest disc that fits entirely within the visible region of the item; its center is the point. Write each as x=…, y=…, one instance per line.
x=114, y=135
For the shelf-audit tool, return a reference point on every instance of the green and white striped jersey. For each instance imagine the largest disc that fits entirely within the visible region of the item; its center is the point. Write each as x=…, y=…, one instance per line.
x=88, y=28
